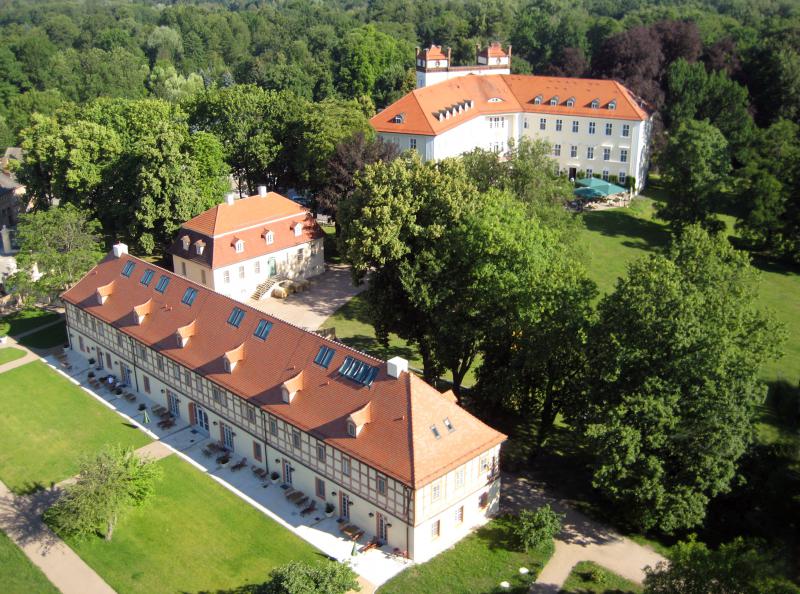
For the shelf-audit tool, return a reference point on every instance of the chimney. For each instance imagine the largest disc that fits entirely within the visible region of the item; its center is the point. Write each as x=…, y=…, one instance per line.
x=120, y=249
x=395, y=366
x=509, y=55
x=230, y=198
x=262, y=191
x=449, y=64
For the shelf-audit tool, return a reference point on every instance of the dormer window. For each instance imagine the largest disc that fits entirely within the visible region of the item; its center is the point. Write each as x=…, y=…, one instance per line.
x=239, y=246
x=612, y=104
x=351, y=428
x=571, y=102
x=538, y=100
x=199, y=246
x=232, y=358
x=399, y=118
x=102, y=293
x=291, y=387
x=298, y=229
x=269, y=237
x=184, y=333
x=595, y=103
x=186, y=241
x=357, y=419
x=495, y=100
x=554, y=100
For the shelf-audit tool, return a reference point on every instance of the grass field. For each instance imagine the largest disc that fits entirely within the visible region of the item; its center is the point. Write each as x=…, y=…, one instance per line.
x=8, y=354
x=47, y=423
x=194, y=536
x=52, y=336
x=26, y=319
x=477, y=563
x=17, y=574
x=588, y=577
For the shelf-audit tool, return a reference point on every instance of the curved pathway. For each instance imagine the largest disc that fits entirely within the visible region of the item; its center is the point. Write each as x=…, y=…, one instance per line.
x=581, y=538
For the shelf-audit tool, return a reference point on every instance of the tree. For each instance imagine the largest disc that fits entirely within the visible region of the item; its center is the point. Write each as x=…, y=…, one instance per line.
x=62, y=243
x=675, y=360
x=695, y=163
x=535, y=529
x=734, y=568
x=108, y=485
x=323, y=577
x=349, y=159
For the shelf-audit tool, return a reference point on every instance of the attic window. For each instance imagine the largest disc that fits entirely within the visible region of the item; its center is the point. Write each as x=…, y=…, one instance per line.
x=495, y=100
x=400, y=118
x=571, y=102
x=128, y=269
x=236, y=317
x=186, y=241
x=239, y=245
x=612, y=104
x=537, y=100
x=262, y=330
x=199, y=246
x=554, y=100
x=435, y=432
x=351, y=428
x=358, y=371
x=147, y=277
x=324, y=356
x=161, y=286
x=189, y=296
x=298, y=229
x=448, y=424
x=269, y=237
x=595, y=104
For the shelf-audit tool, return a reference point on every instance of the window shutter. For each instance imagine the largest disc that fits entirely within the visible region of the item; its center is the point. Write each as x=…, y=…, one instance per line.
x=191, y=413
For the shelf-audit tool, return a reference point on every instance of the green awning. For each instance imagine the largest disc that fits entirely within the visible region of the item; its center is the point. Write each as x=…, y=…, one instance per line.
x=603, y=188
x=588, y=193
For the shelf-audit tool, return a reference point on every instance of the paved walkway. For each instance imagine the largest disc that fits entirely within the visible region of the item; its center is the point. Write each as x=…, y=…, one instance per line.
x=581, y=539
x=309, y=309
x=20, y=519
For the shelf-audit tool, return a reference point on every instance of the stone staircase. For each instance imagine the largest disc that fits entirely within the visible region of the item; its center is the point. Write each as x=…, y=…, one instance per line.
x=266, y=287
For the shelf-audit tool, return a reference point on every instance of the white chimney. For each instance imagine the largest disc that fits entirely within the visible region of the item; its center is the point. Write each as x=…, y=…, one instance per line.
x=262, y=190
x=120, y=249
x=230, y=198
x=395, y=366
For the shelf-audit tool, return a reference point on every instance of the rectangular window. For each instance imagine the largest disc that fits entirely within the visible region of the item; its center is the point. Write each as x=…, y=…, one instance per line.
x=241, y=271
x=622, y=177
x=589, y=172
x=605, y=174
x=128, y=268
x=183, y=268
x=101, y=330
x=381, y=485
x=143, y=352
x=542, y=124
x=575, y=126
x=590, y=152
x=525, y=123
x=146, y=381
x=591, y=127
x=273, y=426
x=412, y=144
x=626, y=130
x=226, y=276
x=257, y=267
x=187, y=378
x=296, y=439
x=262, y=330
x=623, y=155
x=321, y=452
x=556, y=150
x=189, y=296
x=218, y=395
x=147, y=277
x=160, y=362
x=257, y=451
x=162, y=283
x=606, y=154
x=236, y=317
x=251, y=414
x=436, y=491
x=324, y=356
x=319, y=487
x=346, y=466
x=497, y=122
x=558, y=125
x=435, y=529
x=202, y=276
x=119, y=340
x=609, y=129
x=459, y=478
x=460, y=515
x=573, y=151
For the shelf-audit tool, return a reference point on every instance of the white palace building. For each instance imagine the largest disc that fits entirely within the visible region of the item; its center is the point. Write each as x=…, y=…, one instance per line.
x=594, y=127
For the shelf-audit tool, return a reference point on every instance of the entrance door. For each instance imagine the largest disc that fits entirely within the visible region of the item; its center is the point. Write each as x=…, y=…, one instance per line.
x=108, y=360
x=287, y=472
x=344, y=506
x=573, y=173
x=382, y=531
x=227, y=437
x=126, y=375
x=99, y=359
x=201, y=419
x=273, y=267
x=174, y=404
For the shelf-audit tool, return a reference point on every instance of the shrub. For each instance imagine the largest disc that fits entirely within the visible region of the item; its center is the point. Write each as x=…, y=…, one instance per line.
x=536, y=528
x=311, y=578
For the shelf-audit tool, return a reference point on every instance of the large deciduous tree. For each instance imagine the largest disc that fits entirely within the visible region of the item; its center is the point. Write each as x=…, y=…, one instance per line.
x=673, y=388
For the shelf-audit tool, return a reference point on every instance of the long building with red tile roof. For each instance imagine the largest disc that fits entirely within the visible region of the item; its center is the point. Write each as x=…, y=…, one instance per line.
x=240, y=246
x=406, y=462
x=595, y=127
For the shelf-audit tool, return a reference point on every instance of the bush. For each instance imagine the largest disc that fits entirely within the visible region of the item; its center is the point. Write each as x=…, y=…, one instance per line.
x=311, y=578
x=534, y=529
x=631, y=182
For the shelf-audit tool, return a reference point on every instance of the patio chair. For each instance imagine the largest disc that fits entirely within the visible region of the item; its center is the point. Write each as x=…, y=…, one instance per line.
x=207, y=452
x=240, y=464
x=302, y=501
x=130, y=397
x=309, y=508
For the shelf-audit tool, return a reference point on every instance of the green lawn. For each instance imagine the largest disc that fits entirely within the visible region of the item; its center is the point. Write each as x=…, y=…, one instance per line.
x=329, y=245
x=47, y=423
x=8, y=354
x=17, y=574
x=52, y=336
x=26, y=319
x=590, y=577
x=477, y=564
x=194, y=536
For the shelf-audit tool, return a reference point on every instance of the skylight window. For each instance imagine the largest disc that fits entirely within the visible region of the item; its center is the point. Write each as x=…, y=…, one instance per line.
x=435, y=431
x=448, y=424
x=324, y=356
x=128, y=269
x=147, y=277
x=162, y=283
x=189, y=296
x=236, y=317
x=358, y=371
x=262, y=330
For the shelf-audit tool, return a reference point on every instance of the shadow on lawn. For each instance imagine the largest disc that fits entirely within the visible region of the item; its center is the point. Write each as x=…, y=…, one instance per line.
x=643, y=234
x=371, y=346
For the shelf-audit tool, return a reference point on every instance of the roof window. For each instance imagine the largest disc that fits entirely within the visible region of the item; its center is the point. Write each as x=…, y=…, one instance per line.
x=162, y=283
x=435, y=431
x=571, y=102
x=554, y=100
x=269, y=237
x=262, y=330
x=399, y=118
x=239, y=246
x=595, y=103
x=358, y=371
x=612, y=104
x=538, y=100
x=128, y=268
x=324, y=356
x=147, y=277
x=236, y=317
x=448, y=424
x=189, y=296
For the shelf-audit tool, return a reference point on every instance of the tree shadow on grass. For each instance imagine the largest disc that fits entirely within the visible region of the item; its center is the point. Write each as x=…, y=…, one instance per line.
x=641, y=233
x=371, y=346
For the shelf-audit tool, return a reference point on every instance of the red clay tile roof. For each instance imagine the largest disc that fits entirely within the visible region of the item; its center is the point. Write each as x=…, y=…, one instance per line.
x=247, y=219
x=495, y=50
x=398, y=440
x=516, y=93
x=434, y=52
